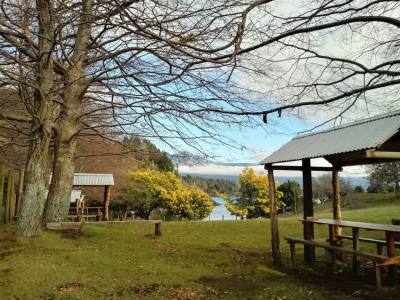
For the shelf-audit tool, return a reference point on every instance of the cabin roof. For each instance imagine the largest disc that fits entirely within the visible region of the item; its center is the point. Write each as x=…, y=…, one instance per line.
x=90, y=179
x=342, y=145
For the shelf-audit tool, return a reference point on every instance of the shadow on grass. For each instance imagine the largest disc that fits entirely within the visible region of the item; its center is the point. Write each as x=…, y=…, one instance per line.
x=342, y=280
x=259, y=278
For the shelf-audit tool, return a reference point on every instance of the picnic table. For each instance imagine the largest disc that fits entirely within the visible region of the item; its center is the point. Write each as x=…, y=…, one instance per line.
x=392, y=233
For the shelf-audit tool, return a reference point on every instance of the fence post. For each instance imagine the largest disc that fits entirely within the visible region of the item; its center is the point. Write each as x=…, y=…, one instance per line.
x=1, y=192
x=12, y=200
x=8, y=197
x=20, y=197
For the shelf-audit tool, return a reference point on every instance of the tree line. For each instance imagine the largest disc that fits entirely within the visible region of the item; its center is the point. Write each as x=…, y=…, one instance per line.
x=212, y=186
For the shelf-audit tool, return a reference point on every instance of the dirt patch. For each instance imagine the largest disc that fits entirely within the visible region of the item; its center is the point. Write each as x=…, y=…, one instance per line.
x=235, y=284
x=72, y=234
x=68, y=288
x=185, y=294
x=7, y=271
x=150, y=236
x=8, y=242
x=146, y=289
x=4, y=254
x=140, y=291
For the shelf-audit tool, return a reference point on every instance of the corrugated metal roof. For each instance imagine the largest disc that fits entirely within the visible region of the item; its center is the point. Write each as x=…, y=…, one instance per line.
x=88, y=179
x=361, y=135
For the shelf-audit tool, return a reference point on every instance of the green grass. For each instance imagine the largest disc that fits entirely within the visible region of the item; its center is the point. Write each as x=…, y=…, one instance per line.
x=197, y=260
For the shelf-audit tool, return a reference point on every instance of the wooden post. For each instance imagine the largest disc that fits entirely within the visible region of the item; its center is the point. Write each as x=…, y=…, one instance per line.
x=2, y=220
x=378, y=276
x=356, y=246
x=20, y=191
x=8, y=196
x=98, y=215
x=106, y=202
x=276, y=254
x=391, y=251
x=308, y=210
x=292, y=252
x=331, y=254
x=337, y=213
x=157, y=228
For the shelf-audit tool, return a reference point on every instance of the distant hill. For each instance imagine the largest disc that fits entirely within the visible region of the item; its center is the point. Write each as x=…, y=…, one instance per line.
x=354, y=181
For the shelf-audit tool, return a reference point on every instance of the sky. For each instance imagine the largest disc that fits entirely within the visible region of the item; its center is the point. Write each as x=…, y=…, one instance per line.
x=260, y=142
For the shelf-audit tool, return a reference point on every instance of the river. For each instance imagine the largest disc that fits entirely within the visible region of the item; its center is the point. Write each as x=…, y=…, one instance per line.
x=219, y=212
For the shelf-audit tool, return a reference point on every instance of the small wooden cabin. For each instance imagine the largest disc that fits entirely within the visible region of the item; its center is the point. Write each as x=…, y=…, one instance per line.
x=80, y=211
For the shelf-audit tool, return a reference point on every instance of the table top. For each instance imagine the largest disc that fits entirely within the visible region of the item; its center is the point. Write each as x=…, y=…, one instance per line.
x=361, y=225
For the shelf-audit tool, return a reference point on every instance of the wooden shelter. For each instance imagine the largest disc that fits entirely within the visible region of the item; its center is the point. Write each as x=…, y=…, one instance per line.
x=368, y=141
x=96, y=180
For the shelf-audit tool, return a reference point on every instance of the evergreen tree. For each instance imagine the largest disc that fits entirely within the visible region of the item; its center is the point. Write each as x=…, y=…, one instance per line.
x=384, y=177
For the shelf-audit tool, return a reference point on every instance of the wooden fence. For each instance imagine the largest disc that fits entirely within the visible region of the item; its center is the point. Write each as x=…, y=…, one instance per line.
x=10, y=197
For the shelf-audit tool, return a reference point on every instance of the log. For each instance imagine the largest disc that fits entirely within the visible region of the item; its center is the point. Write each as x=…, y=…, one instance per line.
x=77, y=226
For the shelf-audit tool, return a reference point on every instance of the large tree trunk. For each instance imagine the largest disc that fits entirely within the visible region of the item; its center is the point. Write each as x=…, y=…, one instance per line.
x=58, y=200
x=29, y=223
x=57, y=204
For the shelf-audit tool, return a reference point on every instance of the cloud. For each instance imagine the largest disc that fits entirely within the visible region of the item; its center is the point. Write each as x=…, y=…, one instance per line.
x=216, y=169
x=236, y=168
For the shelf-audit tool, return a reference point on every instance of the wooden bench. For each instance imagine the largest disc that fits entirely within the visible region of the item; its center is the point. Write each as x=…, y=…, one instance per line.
x=378, y=260
x=80, y=218
x=379, y=243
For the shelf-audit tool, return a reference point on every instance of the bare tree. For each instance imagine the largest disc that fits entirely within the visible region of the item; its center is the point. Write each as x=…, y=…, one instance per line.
x=175, y=70
x=146, y=67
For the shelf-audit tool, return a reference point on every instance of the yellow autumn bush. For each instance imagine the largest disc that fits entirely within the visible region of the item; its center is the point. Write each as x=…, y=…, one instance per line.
x=253, y=199
x=155, y=189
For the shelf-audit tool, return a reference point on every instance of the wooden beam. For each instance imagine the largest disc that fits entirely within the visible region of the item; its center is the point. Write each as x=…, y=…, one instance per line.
x=300, y=168
x=106, y=202
x=276, y=254
x=308, y=210
x=382, y=154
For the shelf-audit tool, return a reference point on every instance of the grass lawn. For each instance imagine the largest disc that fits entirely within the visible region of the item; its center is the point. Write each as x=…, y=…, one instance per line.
x=196, y=260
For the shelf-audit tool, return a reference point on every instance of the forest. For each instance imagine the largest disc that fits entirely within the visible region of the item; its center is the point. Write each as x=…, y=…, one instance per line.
x=212, y=186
